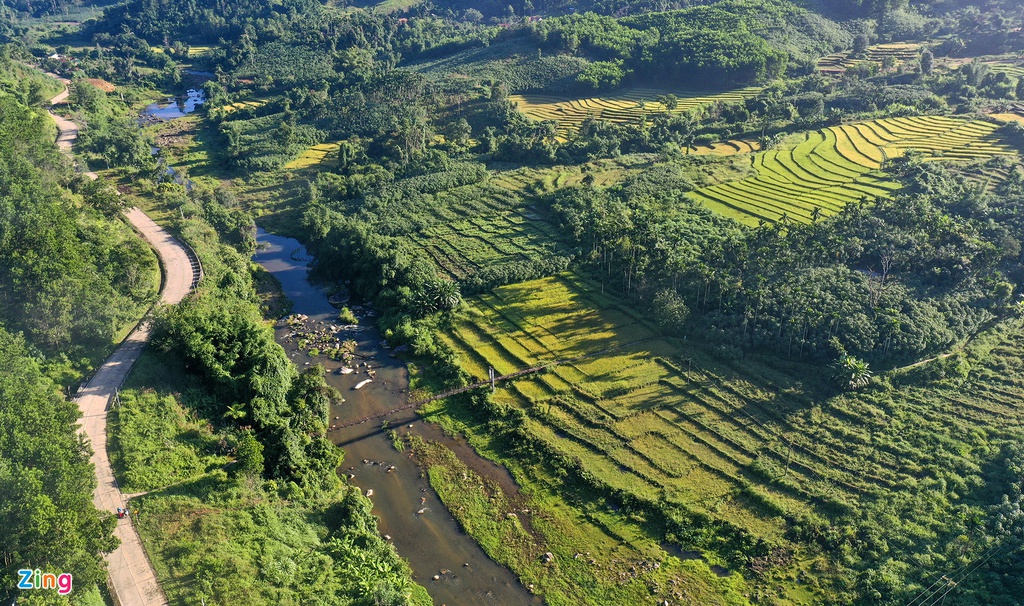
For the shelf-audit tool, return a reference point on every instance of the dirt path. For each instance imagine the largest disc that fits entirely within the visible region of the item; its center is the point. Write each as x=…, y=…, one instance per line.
x=132, y=577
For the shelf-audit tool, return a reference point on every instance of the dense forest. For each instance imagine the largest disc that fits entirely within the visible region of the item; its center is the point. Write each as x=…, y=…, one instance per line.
x=47, y=481
x=73, y=274
x=895, y=280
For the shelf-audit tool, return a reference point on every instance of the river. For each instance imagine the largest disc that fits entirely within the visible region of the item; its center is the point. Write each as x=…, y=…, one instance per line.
x=450, y=564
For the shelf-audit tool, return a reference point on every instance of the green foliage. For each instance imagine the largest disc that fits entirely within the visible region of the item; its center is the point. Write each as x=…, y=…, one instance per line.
x=437, y=295
x=73, y=275
x=204, y=20
x=887, y=293
x=851, y=373
x=49, y=520
x=670, y=310
x=228, y=342
x=220, y=540
x=155, y=442
x=346, y=316
x=601, y=75
x=111, y=133
x=29, y=86
x=249, y=455
x=722, y=43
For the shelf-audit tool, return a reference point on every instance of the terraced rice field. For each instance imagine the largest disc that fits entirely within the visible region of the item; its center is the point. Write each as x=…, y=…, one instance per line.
x=727, y=148
x=622, y=413
x=485, y=225
x=312, y=157
x=838, y=165
x=626, y=106
x=1014, y=70
x=463, y=248
x=900, y=52
x=743, y=443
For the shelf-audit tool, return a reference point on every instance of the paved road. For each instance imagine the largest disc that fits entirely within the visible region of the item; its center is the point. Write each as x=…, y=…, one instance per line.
x=131, y=573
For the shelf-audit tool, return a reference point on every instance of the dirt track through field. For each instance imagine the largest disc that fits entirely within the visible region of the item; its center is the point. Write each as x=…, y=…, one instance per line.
x=132, y=578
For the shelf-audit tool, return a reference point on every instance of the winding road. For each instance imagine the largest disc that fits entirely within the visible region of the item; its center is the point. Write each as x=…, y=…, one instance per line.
x=132, y=578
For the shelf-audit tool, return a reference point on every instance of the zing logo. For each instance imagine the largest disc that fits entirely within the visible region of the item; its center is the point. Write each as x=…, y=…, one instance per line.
x=35, y=579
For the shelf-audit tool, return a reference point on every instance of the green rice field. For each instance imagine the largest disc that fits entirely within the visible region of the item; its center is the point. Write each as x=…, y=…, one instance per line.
x=838, y=165
x=743, y=442
x=625, y=106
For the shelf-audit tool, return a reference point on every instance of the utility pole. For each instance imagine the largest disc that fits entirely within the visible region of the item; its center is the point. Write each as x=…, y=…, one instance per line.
x=490, y=371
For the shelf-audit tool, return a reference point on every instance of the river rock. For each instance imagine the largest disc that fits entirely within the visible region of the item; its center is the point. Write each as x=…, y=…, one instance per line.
x=339, y=298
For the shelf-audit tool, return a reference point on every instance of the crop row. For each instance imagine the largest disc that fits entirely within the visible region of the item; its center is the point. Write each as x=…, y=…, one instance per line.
x=837, y=165
x=626, y=106
x=878, y=53
x=630, y=414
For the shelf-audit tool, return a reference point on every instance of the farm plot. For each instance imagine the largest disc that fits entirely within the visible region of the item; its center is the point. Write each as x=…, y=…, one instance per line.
x=838, y=165
x=1010, y=68
x=626, y=106
x=742, y=443
x=480, y=226
x=898, y=52
x=237, y=105
x=619, y=404
x=313, y=157
x=463, y=248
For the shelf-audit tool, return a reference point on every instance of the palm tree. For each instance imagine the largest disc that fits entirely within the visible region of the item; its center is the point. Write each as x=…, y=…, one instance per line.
x=438, y=295
x=852, y=373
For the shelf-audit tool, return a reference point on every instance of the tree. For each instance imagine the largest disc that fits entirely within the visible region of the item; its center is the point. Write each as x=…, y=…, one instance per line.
x=926, y=62
x=249, y=456
x=438, y=295
x=860, y=44
x=670, y=311
x=458, y=132
x=851, y=373
x=669, y=101
x=46, y=480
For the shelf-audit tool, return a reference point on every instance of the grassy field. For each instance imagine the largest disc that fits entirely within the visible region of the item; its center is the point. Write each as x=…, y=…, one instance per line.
x=899, y=52
x=829, y=168
x=625, y=106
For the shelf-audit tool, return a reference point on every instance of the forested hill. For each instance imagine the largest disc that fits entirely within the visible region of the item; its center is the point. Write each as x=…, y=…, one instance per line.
x=72, y=276
x=734, y=41
x=726, y=42
x=208, y=20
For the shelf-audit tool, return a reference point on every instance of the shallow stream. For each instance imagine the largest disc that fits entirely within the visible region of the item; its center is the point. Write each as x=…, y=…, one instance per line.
x=452, y=567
